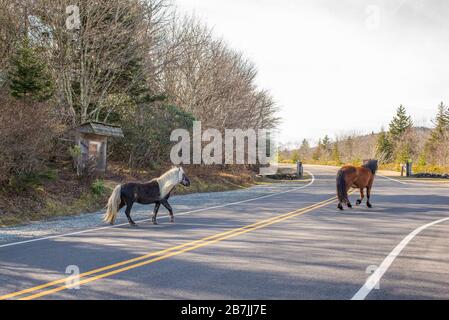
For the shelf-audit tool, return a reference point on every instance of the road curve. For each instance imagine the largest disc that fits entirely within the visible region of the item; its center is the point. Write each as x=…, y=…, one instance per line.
x=288, y=242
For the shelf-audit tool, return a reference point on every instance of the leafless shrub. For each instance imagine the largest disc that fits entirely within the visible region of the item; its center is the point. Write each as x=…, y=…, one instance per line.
x=27, y=131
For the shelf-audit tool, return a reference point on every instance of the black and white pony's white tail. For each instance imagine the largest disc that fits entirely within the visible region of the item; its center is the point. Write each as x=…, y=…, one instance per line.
x=113, y=205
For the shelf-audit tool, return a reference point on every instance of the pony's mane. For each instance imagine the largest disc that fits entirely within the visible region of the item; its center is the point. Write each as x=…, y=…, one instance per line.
x=371, y=165
x=168, y=181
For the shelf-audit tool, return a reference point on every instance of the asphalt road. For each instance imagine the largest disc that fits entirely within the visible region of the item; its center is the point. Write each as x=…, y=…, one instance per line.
x=288, y=244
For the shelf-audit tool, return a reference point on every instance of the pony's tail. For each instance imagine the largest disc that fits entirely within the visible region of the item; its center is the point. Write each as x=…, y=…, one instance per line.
x=113, y=204
x=341, y=186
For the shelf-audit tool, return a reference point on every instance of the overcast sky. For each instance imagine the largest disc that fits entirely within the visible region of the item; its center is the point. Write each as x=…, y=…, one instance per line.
x=339, y=66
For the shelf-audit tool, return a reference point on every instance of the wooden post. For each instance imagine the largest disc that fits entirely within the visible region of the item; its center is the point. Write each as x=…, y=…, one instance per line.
x=299, y=169
x=104, y=151
x=409, y=168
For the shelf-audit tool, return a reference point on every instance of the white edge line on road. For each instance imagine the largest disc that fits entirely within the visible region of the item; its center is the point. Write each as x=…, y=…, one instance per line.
x=161, y=217
x=395, y=180
x=442, y=185
x=383, y=268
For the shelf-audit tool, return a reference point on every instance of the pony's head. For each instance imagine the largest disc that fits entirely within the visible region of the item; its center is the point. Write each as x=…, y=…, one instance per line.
x=372, y=165
x=183, y=179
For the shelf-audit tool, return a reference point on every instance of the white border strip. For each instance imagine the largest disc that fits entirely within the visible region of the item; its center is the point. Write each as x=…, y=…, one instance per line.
x=161, y=217
x=383, y=268
x=395, y=180
x=418, y=184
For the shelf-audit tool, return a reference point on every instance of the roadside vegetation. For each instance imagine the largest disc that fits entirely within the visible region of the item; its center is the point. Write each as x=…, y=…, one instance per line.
x=137, y=64
x=427, y=148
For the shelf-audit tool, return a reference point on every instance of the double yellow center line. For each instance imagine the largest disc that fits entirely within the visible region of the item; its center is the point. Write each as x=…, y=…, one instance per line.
x=110, y=270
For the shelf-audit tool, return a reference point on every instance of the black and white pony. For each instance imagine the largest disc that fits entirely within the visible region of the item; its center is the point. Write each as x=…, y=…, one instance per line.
x=155, y=191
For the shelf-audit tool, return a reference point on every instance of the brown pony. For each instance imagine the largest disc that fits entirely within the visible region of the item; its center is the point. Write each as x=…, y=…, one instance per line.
x=355, y=177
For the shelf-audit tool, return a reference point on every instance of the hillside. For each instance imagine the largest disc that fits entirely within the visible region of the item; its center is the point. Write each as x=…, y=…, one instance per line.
x=348, y=148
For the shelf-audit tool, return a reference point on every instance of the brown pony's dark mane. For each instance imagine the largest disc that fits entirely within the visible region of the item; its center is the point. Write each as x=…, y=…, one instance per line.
x=371, y=165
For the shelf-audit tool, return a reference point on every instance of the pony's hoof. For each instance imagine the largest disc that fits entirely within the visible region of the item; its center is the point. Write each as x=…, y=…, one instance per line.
x=155, y=222
x=340, y=207
x=349, y=205
x=369, y=205
x=172, y=221
x=358, y=202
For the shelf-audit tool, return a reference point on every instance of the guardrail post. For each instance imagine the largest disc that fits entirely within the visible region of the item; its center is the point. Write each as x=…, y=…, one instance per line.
x=409, y=168
x=299, y=169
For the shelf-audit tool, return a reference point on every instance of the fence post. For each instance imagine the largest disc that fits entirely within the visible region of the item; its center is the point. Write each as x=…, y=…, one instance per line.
x=299, y=169
x=409, y=168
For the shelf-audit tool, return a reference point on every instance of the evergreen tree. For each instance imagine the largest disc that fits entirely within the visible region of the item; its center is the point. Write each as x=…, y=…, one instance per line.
x=336, y=153
x=327, y=149
x=28, y=76
x=326, y=143
x=403, y=152
x=305, y=144
x=349, y=146
x=422, y=159
x=318, y=151
x=400, y=123
x=384, y=147
x=304, y=149
x=438, y=139
x=441, y=123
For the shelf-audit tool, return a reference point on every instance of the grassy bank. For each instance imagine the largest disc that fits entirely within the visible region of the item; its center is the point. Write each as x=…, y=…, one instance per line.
x=58, y=191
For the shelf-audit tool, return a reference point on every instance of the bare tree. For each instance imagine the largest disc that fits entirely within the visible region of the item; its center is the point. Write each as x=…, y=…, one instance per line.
x=213, y=82
x=11, y=27
x=90, y=62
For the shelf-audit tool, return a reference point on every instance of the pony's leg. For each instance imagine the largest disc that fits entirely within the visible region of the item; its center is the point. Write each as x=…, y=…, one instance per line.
x=362, y=196
x=348, y=203
x=368, y=195
x=128, y=213
x=170, y=210
x=156, y=209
